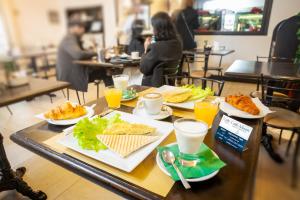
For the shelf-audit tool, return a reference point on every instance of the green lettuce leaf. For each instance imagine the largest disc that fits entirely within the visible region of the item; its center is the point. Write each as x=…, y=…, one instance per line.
x=198, y=92
x=86, y=130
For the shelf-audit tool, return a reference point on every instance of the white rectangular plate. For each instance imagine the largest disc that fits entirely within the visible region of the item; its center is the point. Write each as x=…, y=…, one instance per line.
x=186, y=105
x=129, y=163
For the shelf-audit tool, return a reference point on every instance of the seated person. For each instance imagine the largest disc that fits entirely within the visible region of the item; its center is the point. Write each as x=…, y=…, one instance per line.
x=164, y=47
x=69, y=50
x=137, y=41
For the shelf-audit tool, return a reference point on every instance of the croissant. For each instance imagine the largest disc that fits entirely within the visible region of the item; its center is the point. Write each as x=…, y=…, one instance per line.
x=66, y=111
x=243, y=103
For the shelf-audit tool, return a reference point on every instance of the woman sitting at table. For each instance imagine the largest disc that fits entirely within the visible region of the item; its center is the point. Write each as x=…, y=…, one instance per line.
x=164, y=47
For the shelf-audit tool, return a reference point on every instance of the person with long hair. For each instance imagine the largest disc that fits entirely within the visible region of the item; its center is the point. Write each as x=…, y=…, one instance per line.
x=165, y=46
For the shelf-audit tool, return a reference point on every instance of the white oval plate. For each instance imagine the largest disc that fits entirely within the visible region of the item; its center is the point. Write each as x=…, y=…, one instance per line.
x=162, y=115
x=232, y=111
x=90, y=113
x=203, y=178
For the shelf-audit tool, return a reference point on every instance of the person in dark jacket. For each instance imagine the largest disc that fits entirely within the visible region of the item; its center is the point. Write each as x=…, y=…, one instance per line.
x=186, y=22
x=69, y=50
x=164, y=47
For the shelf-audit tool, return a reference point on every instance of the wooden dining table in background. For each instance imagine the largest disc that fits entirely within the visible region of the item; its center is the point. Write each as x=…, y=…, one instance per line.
x=234, y=181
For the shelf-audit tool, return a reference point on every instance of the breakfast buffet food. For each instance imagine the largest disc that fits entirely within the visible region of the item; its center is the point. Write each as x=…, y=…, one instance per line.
x=243, y=103
x=66, y=111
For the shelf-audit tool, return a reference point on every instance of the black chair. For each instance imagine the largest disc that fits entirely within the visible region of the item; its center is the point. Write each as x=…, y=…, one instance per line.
x=284, y=43
x=12, y=180
x=163, y=69
x=286, y=107
x=204, y=82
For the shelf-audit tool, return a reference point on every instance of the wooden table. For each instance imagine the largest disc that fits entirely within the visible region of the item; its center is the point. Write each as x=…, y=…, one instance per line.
x=254, y=69
x=36, y=87
x=118, y=64
x=234, y=181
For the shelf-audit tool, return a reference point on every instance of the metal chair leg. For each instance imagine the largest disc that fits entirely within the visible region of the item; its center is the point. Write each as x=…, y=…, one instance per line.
x=289, y=144
x=63, y=93
x=295, y=163
x=78, y=98
x=68, y=94
x=280, y=135
x=83, y=97
x=9, y=110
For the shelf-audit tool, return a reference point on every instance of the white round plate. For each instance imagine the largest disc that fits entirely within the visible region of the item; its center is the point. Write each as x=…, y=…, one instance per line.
x=162, y=115
x=232, y=111
x=123, y=100
x=203, y=178
x=90, y=113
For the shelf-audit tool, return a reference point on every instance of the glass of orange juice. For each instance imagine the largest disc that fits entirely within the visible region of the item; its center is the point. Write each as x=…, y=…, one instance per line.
x=113, y=97
x=206, y=111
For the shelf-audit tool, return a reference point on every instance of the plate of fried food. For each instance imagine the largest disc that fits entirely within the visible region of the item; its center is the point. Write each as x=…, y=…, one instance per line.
x=119, y=139
x=244, y=107
x=185, y=96
x=67, y=113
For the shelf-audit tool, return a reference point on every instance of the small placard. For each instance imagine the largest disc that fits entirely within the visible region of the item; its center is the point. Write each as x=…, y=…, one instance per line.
x=233, y=133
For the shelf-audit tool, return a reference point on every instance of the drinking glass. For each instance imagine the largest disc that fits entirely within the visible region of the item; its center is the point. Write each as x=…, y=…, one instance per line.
x=190, y=134
x=113, y=97
x=121, y=81
x=206, y=111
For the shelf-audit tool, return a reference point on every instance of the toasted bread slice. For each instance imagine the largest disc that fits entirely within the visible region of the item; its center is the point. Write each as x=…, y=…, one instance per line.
x=124, y=145
x=128, y=129
x=178, y=95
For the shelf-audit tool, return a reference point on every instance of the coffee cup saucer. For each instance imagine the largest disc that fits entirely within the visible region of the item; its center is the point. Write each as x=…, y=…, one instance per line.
x=165, y=112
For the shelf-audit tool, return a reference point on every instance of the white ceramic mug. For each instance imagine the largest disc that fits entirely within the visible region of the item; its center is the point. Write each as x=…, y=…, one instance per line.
x=190, y=135
x=135, y=55
x=151, y=102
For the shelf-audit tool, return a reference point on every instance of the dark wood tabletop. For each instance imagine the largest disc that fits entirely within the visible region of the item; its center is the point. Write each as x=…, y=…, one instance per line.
x=234, y=181
x=213, y=52
x=114, y=63
x=34, y=88
x=254, y=69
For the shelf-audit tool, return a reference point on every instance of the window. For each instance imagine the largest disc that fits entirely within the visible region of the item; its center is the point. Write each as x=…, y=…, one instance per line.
x=233, y=17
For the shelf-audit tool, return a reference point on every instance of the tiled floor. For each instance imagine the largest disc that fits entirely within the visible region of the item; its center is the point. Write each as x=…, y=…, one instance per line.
x=272, y=180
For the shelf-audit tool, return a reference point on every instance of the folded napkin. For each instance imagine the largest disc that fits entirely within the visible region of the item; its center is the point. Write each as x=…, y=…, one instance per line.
x=208, y=164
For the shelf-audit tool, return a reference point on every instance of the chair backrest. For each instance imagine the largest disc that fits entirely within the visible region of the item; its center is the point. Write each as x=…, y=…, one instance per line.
x=280, y=92
x=167, y=68
x=216, y=85
x=284, y=40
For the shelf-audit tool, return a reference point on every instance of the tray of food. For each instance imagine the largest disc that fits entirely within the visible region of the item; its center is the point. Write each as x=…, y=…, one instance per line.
x=244, y=107
x=119, y=139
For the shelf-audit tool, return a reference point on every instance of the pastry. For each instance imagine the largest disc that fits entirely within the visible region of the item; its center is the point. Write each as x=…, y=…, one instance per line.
x=243, y=103
x=66, y=111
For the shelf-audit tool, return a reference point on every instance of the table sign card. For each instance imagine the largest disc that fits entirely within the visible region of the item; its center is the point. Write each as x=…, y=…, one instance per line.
x=233, y=133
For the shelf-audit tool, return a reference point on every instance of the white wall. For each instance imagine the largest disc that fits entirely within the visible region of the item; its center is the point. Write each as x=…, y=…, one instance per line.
x=248, y=47
x=29, y=25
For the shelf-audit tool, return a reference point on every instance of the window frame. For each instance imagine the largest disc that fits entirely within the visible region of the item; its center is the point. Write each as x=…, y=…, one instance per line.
x=263, y=31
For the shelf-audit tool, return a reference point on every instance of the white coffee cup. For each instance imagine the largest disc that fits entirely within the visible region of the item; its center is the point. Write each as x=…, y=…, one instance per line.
x=190, y=135
x=151, y=102
x=135, y=55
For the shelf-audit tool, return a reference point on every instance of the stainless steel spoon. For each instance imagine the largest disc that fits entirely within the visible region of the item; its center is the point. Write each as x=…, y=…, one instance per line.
x=169, y=157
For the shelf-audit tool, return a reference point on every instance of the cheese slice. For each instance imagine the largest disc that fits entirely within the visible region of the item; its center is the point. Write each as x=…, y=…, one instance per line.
x=124, y=145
